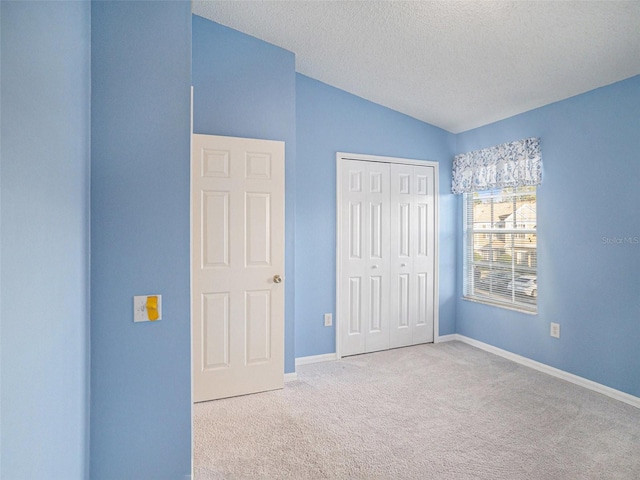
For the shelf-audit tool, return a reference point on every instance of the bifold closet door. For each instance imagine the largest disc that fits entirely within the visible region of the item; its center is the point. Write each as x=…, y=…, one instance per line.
x=364, y=244
x=412, y=255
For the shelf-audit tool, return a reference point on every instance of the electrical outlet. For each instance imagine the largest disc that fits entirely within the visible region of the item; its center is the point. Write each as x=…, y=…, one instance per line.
x=328, y=319
x=555, y=330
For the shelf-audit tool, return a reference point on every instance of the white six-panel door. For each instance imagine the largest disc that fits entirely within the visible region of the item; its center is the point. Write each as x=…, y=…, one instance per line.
x=412, y=254
x=386, y=242
x=237, y=266
x=365, y=247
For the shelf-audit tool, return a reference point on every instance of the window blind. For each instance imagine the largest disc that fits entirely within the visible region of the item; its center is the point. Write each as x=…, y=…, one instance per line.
x=500, y=258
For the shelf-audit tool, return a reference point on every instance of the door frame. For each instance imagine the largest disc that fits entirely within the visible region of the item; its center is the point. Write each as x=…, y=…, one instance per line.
x=340, y=157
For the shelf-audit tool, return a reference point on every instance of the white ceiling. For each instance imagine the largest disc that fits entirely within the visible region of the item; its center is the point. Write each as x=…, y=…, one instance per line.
x=454, y=64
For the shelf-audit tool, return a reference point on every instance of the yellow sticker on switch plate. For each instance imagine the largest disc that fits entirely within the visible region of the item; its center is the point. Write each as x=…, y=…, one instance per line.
x=147, y=308
x=152, y=308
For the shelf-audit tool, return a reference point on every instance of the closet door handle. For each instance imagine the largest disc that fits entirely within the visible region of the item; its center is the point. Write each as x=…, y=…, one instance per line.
x=403, y=265
x=375, y=266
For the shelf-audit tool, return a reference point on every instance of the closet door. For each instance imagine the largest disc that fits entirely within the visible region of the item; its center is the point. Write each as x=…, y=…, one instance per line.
x=412, y=254
x=364, y=245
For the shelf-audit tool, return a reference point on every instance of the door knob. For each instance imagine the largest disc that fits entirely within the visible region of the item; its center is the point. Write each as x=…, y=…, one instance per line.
x=277, y=279
x=403, y=265
x=375, y=266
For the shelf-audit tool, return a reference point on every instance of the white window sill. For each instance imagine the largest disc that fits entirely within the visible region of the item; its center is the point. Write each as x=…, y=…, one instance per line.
x=515, y=308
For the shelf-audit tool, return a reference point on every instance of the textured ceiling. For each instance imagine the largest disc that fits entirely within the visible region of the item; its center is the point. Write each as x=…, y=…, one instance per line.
x=455, y=64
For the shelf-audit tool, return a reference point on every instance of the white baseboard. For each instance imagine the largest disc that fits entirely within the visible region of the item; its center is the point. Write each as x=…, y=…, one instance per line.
x=447, y=338
x=290, y=377
x=541, y=367
x=327, y=357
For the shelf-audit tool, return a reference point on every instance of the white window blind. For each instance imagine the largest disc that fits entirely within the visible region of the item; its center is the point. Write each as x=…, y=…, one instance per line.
x=500, y=258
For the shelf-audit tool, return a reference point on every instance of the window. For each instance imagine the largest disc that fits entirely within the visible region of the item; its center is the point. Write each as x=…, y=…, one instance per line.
x=500, y=258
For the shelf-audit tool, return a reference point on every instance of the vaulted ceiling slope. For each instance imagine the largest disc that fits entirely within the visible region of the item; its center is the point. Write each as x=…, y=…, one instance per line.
x=454, y=64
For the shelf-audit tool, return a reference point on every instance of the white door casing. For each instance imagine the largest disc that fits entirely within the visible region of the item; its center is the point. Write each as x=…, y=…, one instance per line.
x=365, y=267
x=237, y=189
x=406, y=273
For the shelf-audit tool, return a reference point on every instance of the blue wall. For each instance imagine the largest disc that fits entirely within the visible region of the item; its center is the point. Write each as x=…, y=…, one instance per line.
x=244, y=87
x=330, y=120
x=44, y=238
x=134, y=56
x=140, y=124
x=589, y=198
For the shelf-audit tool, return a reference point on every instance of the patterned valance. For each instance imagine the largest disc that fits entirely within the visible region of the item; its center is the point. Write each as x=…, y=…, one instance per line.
x=507, y=165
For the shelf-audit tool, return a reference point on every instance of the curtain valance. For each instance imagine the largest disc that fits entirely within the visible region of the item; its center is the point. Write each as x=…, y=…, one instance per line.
x=508, y=165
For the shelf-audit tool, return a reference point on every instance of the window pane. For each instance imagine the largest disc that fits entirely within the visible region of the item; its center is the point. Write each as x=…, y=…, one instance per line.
x=500, y=258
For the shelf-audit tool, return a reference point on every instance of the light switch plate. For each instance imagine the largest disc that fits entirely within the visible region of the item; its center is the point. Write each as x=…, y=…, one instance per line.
x=140, y=311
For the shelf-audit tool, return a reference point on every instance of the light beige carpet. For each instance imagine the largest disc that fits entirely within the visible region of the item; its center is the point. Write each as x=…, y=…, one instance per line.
x=445, y=411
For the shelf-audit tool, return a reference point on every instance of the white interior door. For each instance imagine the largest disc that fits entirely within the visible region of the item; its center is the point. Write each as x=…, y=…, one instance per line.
x=412, y=254
x=365, y=257
x=237, y=265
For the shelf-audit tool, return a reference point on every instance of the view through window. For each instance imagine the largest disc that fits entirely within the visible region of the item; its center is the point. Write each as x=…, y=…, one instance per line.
x=500, y=264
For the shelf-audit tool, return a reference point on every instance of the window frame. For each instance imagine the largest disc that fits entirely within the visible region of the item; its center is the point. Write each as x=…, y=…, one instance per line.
x=508, y=298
